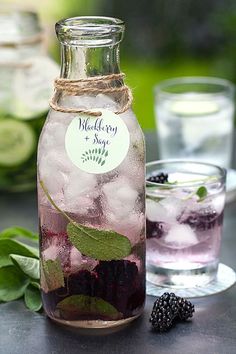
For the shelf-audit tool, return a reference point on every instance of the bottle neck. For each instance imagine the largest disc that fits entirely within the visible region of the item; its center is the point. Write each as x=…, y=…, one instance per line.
x=84, y=62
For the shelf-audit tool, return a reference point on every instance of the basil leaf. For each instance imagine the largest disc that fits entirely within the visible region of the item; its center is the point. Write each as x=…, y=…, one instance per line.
x=17, y=231
x=33, y=298
x=8, y=246
x=12, y=283
x=99, y=244
x=52, y=276
x=201, y=193
x=28, y=265
x=82, y=305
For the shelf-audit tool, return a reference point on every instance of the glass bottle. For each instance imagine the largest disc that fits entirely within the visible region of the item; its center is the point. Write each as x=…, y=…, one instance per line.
x=25, y=87
x=91, y=209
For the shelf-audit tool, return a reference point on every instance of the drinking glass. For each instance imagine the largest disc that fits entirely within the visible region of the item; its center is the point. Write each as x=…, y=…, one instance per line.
x=185, y=205
x=194, y=118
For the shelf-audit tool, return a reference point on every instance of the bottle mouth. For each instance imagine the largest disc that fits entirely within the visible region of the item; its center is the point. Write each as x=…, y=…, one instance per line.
x=90, y=31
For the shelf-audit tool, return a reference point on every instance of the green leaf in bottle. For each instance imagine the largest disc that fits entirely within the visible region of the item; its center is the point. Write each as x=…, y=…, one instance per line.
x=83, y=305
x=95, y=243
x=51, y=275
x=104, y=245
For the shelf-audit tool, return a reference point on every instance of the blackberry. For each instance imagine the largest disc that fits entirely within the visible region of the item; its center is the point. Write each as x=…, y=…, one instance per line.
x=185, y=309
x=159, y=178
x=167, y=309
x=116, y=282
x=164, y=311
x=154, y=229
x=82, y=282
x=204, y=220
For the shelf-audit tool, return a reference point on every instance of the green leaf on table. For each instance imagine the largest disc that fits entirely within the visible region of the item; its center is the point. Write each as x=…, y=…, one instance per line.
x=51, y=275
x=12, y=283
x=35, y=284
x=103, y=245
x=8, y=246
x=201, y=193
x=83, y=305
x=33, y=298
x=28, y=265
x=17, y=231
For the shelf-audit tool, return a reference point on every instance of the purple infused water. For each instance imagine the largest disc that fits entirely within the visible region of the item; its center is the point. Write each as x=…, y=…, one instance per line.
x=184, y=230
x=91, y=184
x=87, y=289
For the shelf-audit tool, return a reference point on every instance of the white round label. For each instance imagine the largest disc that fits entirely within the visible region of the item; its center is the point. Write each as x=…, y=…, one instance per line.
x=97, y=144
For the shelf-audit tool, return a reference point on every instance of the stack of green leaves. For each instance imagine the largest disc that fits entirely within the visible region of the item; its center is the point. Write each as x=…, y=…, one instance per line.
x=19, y=267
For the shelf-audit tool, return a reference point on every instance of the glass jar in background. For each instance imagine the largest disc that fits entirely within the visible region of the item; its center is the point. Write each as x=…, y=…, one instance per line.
x=26, y=74
x=195, y=119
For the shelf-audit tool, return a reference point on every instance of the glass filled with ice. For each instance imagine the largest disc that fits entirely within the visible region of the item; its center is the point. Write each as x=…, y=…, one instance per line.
x=194, y=119
x=185, y=205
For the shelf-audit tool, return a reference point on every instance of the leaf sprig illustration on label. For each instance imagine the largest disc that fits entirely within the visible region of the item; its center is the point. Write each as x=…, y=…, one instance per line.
x=97, y=155
x=102, y=245
x=82, y=305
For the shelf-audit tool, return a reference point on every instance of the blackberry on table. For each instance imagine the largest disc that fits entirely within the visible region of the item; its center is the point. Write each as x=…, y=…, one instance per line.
x=164, y=312
x=186, y=309
x=169, y=308
x=159, y=178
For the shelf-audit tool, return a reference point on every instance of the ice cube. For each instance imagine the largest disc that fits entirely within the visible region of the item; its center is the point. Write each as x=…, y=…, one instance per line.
x=181, y=236
x=133, y=168
x=173, y=206
x=218, y=203
x=80, y=191
x=51, y=252
x=79, y=262
x=120, y=197
x=131, y=225
x=155, y=211
x=167, y=210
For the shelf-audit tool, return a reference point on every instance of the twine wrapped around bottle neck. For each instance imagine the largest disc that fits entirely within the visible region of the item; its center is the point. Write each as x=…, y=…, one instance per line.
x=91, y=85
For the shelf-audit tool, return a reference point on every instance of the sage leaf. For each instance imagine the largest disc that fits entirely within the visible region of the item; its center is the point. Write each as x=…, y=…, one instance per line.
x=201, y=193
x=103, y=245
x=33, y=298
x=99, y=244
x=12, y=283
x=28, y=265
x=51, y=275
x=17, y=231
x=83, y=305
x=8, y=246
x=35, y=284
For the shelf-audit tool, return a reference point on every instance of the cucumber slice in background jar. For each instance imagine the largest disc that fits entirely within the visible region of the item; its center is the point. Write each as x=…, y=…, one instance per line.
x=17, y=142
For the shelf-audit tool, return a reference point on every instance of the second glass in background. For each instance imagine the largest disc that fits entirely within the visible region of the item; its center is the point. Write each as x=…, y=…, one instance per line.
x=185, y=206
x=194, y=118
